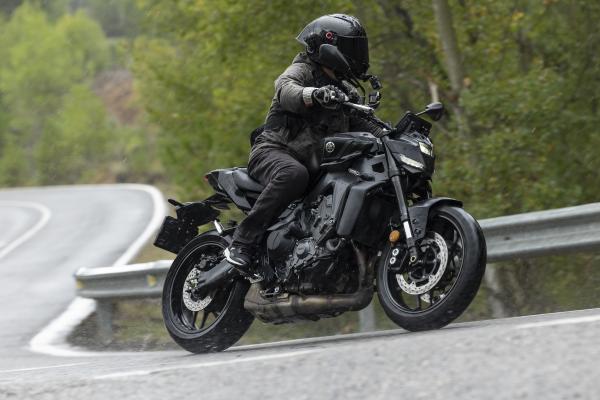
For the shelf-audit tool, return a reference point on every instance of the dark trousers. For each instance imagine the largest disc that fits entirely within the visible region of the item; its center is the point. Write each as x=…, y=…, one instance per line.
x=285, y=180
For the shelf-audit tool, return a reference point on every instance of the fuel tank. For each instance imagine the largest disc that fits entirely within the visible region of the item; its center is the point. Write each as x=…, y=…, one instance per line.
x=344, y=147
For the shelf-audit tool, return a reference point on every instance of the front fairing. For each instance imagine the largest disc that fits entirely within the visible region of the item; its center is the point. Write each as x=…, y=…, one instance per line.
x=414, y=153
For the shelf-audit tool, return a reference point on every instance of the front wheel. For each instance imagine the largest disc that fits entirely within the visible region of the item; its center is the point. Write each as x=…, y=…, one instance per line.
x=214, y=322
x=440, y=287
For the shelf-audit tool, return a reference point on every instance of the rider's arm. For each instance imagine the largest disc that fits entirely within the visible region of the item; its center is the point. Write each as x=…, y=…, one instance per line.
x=293, y=90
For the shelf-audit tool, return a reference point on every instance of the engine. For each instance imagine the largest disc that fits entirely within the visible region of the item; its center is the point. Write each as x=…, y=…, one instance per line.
x=306, y=254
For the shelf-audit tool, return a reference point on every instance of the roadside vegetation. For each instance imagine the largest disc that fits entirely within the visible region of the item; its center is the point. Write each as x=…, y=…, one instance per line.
x=160, y=92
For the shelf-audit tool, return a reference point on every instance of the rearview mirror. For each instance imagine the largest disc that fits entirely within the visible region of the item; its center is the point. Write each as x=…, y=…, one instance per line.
x=433, y=110
x=330, y=56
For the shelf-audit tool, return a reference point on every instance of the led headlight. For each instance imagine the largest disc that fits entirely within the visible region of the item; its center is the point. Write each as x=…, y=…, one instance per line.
x=411, y=162
x=426, y=149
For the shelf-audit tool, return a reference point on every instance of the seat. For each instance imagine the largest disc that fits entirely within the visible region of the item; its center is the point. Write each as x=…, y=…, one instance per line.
x=244, y=182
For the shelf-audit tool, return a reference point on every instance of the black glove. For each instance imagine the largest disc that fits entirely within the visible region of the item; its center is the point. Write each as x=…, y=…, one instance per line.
x=329, y=97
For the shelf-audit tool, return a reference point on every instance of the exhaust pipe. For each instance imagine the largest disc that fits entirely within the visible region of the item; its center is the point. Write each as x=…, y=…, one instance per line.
x=290, y=307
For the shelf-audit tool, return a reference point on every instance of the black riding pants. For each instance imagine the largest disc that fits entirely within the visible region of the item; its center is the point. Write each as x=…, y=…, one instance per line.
x=285, y=180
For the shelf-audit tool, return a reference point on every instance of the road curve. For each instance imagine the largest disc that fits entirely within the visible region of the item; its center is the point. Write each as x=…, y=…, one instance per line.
x=45, y=235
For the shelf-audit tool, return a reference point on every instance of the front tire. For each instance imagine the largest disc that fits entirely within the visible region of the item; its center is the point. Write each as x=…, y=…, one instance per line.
x=455, y=290
x=216, y=326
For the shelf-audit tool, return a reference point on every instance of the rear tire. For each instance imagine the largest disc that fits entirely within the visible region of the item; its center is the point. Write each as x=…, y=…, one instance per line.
x=464, y=285
x=229, y=319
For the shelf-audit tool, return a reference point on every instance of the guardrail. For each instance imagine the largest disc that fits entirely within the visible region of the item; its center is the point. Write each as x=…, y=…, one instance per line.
x=110, y=284
x=125, y=282
x=543, y=233
x=516, y=236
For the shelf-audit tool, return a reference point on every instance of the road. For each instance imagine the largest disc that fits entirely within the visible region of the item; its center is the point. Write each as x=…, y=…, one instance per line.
x=45, y=235
x=552, y=356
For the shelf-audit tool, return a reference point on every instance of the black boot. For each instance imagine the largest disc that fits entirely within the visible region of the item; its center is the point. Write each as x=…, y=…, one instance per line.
x=239, y=255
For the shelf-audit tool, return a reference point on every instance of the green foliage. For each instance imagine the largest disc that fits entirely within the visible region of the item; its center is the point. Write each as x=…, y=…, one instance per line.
x=53, y=127
x=76, y=143
x=533, y=115
x=119, y=18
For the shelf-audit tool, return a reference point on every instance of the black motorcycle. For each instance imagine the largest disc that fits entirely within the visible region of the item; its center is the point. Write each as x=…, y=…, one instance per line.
x=367, y=224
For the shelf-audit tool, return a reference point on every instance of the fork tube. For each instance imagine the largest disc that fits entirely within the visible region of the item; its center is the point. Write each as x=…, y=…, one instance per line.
x=394, y=174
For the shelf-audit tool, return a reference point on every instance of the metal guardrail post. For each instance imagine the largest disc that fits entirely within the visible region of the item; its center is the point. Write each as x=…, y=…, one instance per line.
x=366, y=319
x=494, y=295
x=104, y=320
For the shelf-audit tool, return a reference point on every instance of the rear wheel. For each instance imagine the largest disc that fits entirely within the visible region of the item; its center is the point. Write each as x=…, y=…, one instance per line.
x=439, y=289
x=214, y=322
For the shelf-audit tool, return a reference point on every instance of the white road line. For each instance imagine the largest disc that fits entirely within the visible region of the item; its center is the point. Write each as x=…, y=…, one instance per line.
x=45, y=216
x=38, y=368
x=155, y=222
x=143, y=372
x=52, y=339
x=563, y=321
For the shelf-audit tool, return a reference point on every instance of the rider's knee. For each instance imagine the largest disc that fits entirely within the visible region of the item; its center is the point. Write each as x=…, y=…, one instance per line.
x=296, y=178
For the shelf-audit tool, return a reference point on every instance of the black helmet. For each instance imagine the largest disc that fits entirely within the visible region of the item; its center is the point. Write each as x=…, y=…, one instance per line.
x=342, y=31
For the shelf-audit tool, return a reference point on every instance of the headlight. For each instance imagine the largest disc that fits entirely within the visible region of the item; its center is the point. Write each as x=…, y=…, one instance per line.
x=411, y=162
x=426, y=149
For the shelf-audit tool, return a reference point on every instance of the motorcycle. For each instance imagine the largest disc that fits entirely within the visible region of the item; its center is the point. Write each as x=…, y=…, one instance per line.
x=368, y=224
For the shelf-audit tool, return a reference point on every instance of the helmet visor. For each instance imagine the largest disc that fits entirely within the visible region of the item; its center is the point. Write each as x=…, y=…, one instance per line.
x=356, y=50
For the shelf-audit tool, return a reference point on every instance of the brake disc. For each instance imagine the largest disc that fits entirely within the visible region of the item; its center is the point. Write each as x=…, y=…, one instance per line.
x=190, y=283
x=438, y=245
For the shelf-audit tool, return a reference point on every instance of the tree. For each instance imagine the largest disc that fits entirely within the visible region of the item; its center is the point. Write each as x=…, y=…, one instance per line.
x=76, y=144
x=119, y=18
x=454, y=64
x=45, y=75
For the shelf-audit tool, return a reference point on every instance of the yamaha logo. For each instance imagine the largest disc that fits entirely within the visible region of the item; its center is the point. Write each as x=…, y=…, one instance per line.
x=329, y=147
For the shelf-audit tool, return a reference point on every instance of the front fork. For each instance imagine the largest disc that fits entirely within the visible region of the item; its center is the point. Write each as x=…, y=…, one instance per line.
x=394, y=174
x=405, y=219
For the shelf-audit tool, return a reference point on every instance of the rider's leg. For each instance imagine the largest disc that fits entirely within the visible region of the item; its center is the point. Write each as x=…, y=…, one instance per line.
x=285, y=180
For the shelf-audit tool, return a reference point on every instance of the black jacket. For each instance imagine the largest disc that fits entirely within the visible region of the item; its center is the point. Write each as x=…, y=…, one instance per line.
x=298, y=128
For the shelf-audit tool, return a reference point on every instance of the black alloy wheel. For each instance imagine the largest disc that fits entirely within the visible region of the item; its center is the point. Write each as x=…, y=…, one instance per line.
x=203, y=325
x=441, y=286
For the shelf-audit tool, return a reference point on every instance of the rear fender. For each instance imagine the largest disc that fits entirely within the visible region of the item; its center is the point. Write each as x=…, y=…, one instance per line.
x=419, y=213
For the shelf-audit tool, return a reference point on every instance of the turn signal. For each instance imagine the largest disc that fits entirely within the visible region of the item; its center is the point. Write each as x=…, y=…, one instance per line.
x=394, y=236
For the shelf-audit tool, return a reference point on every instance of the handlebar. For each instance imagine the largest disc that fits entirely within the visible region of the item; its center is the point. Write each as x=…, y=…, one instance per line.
x=368, y=113
x=365, y=112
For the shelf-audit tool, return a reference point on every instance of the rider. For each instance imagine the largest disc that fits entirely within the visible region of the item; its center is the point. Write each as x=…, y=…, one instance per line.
x=305, y=108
